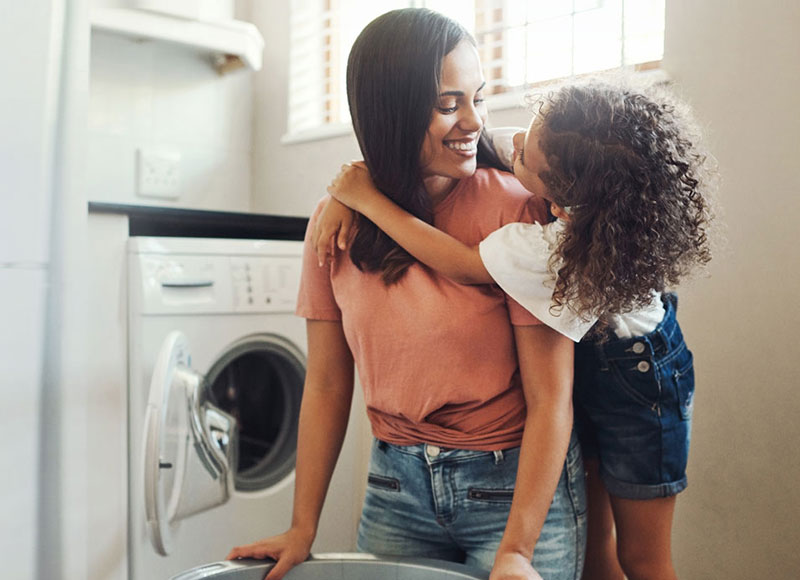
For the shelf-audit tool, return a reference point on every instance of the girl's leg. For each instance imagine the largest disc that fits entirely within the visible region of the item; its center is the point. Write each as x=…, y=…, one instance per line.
x=644, y=531
x=601, y=546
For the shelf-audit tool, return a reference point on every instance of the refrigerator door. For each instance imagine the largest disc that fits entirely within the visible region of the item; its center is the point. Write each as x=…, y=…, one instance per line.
x=21, y=346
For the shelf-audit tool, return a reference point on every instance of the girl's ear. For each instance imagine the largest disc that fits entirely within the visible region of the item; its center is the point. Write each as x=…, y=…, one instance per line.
x=558, y=211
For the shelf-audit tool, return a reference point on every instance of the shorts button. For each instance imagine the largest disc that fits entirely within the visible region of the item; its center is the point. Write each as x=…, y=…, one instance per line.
x=638, y=347
x=432, y=450
x=643, y=366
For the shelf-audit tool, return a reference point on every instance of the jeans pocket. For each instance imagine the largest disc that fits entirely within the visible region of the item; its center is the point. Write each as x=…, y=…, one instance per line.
x=490, y=495
x=382, y=482
x=576, y=478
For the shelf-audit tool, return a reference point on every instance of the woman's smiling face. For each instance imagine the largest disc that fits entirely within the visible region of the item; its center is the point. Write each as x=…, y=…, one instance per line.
x=450, y=149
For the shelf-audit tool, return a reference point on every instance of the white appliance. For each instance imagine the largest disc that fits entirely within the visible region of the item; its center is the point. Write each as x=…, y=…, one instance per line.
x=40, y=140
x=216, y=370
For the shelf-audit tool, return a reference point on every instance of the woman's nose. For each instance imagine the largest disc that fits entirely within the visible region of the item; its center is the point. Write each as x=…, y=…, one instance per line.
x=471, y=119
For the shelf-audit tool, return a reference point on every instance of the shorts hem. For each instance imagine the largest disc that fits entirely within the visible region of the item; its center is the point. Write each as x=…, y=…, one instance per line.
x=626, y=490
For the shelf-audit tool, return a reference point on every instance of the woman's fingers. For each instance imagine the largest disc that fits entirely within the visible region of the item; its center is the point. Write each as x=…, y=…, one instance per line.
x=282, y=567
x=344, y=230
x=257, y=550
x=324, y=234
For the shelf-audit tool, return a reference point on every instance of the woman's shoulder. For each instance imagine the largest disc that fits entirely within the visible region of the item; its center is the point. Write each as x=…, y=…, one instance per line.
x=500, y=181
x=493, y=188
x=499, y=190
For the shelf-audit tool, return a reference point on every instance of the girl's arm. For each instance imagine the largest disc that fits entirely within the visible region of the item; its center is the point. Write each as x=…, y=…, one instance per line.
x=545, y=360
x=325, y=409
x=354, y=188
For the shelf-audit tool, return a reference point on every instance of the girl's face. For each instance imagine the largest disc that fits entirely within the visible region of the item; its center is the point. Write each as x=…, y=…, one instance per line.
x=450, y=149
x=529, y=160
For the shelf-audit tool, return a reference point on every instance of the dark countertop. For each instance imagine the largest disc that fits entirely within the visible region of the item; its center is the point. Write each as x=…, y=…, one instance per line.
x=147, y=220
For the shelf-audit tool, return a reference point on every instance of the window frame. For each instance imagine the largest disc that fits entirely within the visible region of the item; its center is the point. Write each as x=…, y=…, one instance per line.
x=504, y=99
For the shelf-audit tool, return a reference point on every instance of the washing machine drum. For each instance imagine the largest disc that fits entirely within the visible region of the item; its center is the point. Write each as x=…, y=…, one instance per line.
x=259, y=381
x=235, y=428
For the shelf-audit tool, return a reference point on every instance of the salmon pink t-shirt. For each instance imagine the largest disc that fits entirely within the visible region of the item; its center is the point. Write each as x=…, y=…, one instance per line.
x=436, y=359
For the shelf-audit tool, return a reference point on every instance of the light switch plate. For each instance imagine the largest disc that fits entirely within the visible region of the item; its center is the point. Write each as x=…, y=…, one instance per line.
x=158, y=172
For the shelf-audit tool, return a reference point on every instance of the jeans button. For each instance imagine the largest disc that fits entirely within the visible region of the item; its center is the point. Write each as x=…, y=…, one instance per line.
x=643, y=366
x=638, y=347
x=432, y=450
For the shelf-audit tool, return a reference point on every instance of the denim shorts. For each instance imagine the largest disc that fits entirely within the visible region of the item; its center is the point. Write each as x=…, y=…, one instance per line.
x=633, y=408
x=449, y=504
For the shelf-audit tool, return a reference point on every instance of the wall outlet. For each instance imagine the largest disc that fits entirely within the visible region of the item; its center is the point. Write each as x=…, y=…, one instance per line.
x=158, y=173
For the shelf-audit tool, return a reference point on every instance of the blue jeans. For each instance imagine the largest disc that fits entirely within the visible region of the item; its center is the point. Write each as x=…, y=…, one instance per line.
x=450, y=504
x=633, y=408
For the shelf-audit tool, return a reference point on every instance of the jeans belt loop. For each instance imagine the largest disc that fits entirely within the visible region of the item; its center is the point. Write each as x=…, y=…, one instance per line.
x=498, y=456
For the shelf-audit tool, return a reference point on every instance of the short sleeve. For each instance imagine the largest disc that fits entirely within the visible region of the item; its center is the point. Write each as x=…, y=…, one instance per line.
x=316, y=300
x=533, y=211
x=516, y=256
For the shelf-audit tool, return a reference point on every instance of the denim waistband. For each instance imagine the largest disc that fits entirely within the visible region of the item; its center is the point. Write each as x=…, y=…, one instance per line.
x=665, y=338
x=435, y=453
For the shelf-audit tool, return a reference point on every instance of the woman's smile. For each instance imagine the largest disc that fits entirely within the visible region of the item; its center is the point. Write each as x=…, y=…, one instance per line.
x=464, y=147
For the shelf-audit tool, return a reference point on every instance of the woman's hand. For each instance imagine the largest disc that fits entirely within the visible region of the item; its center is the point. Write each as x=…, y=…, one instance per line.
x=353, y=186
x=513, y=566
x=333, y=226
x=287, y=549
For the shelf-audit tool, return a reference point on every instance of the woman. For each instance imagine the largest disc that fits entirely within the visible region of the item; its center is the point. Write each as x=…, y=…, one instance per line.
x=463, y=420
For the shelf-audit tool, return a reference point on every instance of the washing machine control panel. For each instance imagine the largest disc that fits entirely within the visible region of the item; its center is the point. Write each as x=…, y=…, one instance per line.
x=218, y=284
x=265, y=284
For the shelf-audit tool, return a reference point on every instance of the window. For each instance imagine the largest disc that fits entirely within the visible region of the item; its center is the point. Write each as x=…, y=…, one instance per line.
x=521, y=43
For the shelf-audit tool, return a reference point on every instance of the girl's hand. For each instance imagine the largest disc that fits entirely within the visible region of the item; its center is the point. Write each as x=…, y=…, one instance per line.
x=333, y=226
x=353, y=186
x=288, y=550
x=513, y=566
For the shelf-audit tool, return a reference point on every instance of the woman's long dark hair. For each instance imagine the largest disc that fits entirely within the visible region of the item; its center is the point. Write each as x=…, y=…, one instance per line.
x=393, y=77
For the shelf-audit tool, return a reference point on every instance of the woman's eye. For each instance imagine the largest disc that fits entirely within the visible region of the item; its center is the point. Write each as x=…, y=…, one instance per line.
x=447, y=110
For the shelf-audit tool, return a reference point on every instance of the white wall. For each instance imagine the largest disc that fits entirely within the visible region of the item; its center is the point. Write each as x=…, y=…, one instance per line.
x=287, y=179
x=738, y=62
x=146, y=94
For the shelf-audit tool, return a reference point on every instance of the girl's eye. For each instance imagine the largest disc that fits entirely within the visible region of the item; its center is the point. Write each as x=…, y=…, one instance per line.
x=447, y=110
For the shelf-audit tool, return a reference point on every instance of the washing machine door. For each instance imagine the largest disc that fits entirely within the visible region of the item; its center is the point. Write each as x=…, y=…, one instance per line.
x=189, y=445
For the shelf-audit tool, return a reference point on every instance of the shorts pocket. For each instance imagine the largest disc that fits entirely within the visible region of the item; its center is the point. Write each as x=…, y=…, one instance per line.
x=382, y=482
x=684, y=385
x=635, y=379
x=490, y=495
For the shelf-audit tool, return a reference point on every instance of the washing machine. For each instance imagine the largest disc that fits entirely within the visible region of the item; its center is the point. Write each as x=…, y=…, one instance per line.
x=217, y=361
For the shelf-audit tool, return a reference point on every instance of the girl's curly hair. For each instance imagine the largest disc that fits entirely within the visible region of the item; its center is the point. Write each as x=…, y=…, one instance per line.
x=627, y=165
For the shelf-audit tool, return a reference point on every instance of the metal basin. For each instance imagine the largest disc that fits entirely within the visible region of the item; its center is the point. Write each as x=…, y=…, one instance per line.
x=339, y=567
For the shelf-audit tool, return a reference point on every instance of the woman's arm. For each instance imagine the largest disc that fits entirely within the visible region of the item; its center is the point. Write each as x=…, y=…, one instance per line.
x=354, y=188
x=325, y=409
x=545, y=360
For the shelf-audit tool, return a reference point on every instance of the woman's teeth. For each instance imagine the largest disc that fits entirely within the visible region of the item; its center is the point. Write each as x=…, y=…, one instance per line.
x=461, y=145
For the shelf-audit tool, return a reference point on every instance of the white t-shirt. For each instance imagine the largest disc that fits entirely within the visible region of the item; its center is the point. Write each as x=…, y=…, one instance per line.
x=516, y=257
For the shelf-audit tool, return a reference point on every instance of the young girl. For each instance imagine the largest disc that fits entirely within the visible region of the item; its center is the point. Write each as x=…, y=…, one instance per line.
x=624, y=178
